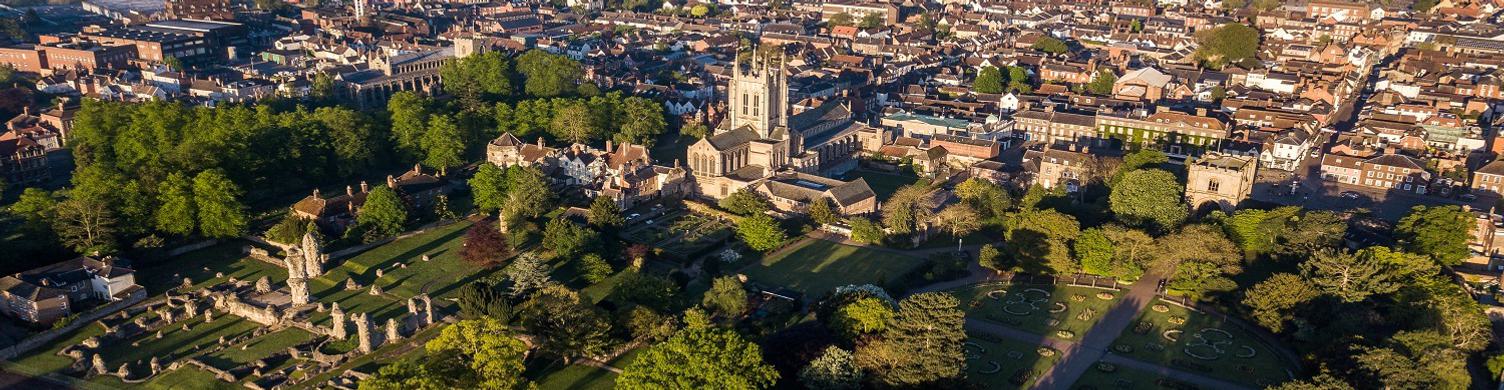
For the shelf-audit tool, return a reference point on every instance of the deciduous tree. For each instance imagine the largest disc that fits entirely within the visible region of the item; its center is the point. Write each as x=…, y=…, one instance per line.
x=1149, y=197
x=835, y=369
x=761, y=232
x=1274, y=300
x=605, y=214
x=564, y=325
x=484, y=245
x=177, y=213
x=443, y=144
x=726, y=297
x=383, y=212
x=488, y=188
x=1441, y=232
x=220, y=213
x=699, y=357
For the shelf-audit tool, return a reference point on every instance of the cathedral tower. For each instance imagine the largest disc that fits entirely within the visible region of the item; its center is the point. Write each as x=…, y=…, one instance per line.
x=759, y=94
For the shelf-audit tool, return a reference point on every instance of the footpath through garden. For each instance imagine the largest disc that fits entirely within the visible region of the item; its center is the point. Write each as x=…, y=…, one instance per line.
x=1077, y=358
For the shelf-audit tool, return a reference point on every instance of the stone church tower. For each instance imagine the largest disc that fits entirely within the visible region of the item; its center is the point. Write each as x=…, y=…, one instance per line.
x=759, y=94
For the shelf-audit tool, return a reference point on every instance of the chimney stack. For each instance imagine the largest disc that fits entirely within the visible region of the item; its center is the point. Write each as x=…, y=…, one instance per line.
x=391, y=182
x=349, y=191
x=540, y=142
x=417, y=168
x=316, y=194
x=363, y=187
x=608, y=146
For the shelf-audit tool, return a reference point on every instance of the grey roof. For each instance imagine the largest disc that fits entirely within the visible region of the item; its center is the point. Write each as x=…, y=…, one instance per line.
x=727, y=139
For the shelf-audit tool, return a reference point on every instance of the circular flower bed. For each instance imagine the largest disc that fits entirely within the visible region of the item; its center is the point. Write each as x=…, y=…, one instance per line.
x=1107, y=367
x=1104, y=295
x=1078, y=298
x=1045, y=351
x=1176, y=320
x=1159, y=308
x=1065, y=334
x=1123, y=348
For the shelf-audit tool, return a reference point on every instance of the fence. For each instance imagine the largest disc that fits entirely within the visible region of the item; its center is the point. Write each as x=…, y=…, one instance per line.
x=39, y=339
x=1077, y=280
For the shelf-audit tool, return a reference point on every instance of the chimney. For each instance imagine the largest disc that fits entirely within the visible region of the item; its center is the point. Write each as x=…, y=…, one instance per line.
x=349, y=191
x=26, y=109
x=1161, y=109
x=391, y=182
x=316, y=194
x=1201, y=111
x=676, y=163
x=608, y=146
x=61, y=103
x=363, y=187
x=417, y=168
x=540, y=142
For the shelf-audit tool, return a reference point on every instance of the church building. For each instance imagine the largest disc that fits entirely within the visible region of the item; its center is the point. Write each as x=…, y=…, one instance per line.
x=761, y=137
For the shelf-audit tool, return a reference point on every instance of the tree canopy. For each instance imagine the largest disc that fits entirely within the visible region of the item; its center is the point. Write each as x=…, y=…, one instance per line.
x=699, y=357
x=1149, y=197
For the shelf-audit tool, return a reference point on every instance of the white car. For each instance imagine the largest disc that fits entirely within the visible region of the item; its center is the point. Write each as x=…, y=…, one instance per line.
x=633, y=216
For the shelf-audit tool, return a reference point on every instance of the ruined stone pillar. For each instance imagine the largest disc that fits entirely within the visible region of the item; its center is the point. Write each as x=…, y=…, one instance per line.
x=98, y=363
x=393, y=333
x=363, y=332
x=427, y=310
x=337, y=328
x=298, y=288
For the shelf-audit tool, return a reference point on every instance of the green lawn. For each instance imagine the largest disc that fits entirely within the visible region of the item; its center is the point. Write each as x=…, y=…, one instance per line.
x=1221, y=355
x=1018, y=363
x=1030, y=307
x=816, y=267
x=176, y=343
x=884, y=184
x=257, y=348
x=576, y=376
x=1120, y=378
x=201, y=265
x=444, y=271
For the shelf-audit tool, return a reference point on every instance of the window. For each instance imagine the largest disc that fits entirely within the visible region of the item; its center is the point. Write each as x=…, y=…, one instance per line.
x=1212, y=185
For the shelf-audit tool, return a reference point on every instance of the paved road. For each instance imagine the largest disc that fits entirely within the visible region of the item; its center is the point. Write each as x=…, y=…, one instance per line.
x=1079, y=357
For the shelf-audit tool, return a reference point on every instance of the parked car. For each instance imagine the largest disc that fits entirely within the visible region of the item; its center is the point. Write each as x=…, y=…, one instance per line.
x=1467, y=197
x=1350, y=195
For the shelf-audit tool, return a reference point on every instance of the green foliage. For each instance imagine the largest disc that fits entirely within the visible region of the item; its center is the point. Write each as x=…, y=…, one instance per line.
x=922, y=346
x=527, y=273
x=866, y=231
x=37, y=207
x=406, y=375
x=218, y=200
x=443, y=144
x=1050, y=45
x=871, y=20
x=481, y=300
x=989, y=257
x=288, y=230
x=486, y=347
x=821, y=211
x=485, y=75
x=699, y=357
x=835, y=369
x=910, y=206
x=354, y=140
x=1227, y=44
x=646, y=324
x=1149, y=197
x=548, y=75
x=959, y=219
x=409, y=117
x=842, y=19
x=989, y=80
x=1441, y=232
x=696, y=130
x=1323, y=381
x=177, y=213
x=1424, y=6
x=1039, y=241
x=1354, y=277
x=726, y=297
x=745, y=202
x=1130, y=252
x=1439, y=304
x=641, y=121
x=85, y=224
x=574, y=122
x=383, y=213
x=567, y=239
x=564, y=325
x=605, y=214
x=652, y=291
x=1101, y=83
x=1274, y=300
x=862, y=317
x=593, y=268
x=1204, y=260
x=1416, y=360
x=488, y=188
x=1018, y=79
x=987, y=197
x=527, y=192
x=761, y=232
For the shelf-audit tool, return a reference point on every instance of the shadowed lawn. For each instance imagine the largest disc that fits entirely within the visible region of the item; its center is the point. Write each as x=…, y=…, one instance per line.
x=258, y=348
x=201, y=265
x=443, y=269
x=1029, y=307
x=816, y=267
x=1123, y=378
x=553, y=376
x=176, y=343
x=1014, y=360
x=883, y=184
x=1223, y=348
